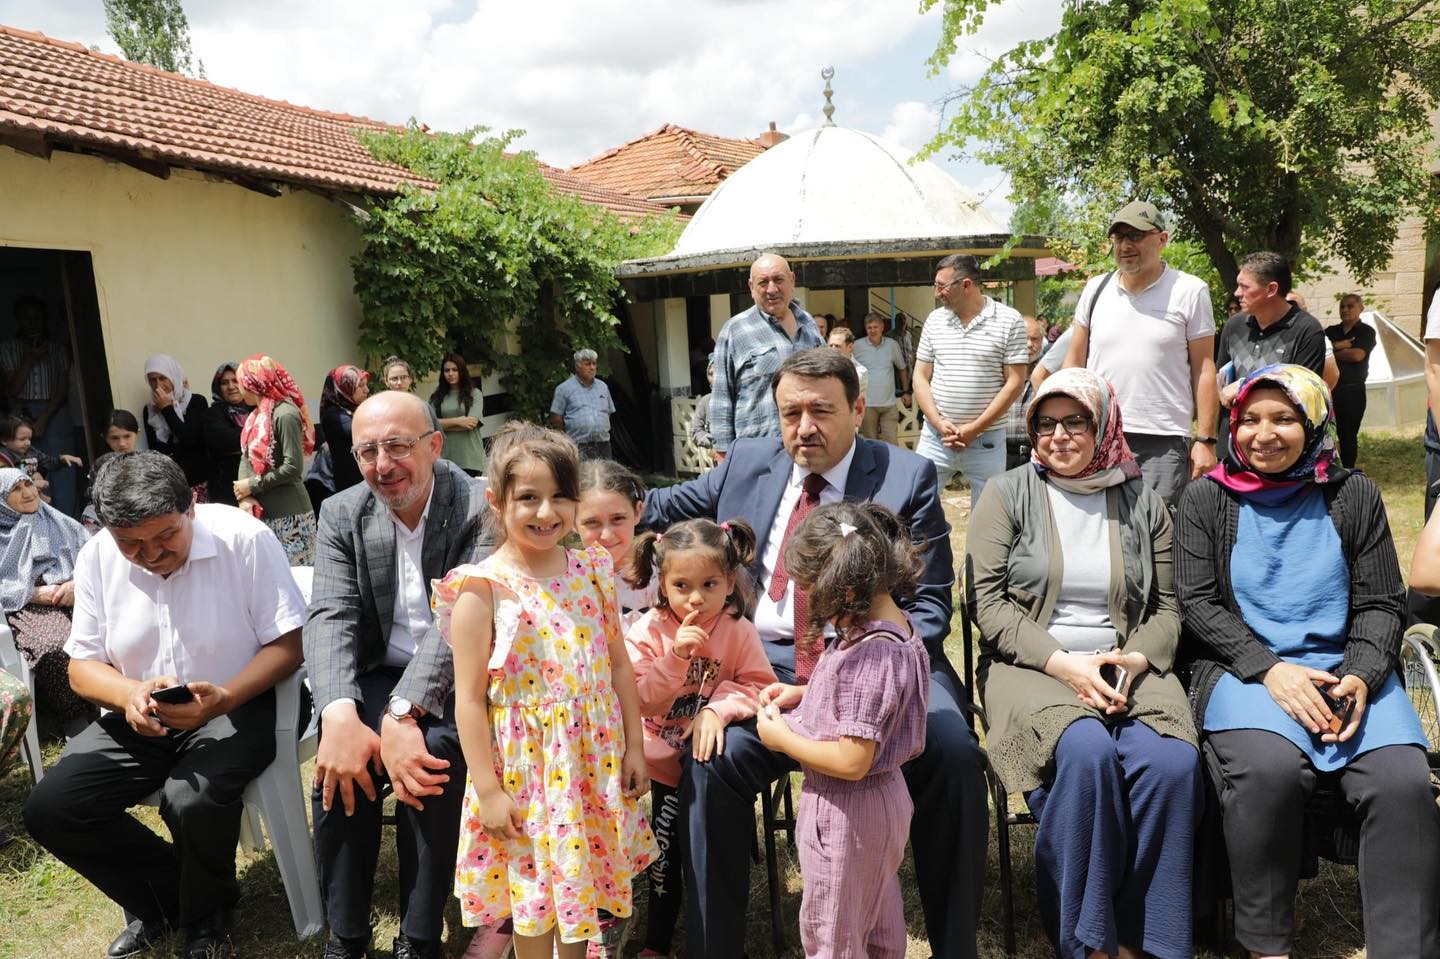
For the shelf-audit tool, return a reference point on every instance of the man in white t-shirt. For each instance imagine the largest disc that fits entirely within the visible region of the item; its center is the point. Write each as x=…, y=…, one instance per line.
x=1432, y=387
x=969, y=369
x=1149, y=329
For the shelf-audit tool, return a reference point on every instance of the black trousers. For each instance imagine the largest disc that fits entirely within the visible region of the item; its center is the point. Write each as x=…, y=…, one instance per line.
x=79, y=810
x=1264, y=782
x=347, y=848
x=948, y=833
x=666, y=873
x=1349, y=411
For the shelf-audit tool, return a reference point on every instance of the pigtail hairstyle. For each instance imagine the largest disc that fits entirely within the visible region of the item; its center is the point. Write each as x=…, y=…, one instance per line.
x=732, y=543
x=518, y=441
x=842, y=572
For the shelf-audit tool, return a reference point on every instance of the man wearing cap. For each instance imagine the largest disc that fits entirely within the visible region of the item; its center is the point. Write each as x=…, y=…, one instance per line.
x=582, y=407
x=1149, y=329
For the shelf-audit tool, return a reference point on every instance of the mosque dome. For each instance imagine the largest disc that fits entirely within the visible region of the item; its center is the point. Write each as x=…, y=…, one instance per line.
x=833, y=185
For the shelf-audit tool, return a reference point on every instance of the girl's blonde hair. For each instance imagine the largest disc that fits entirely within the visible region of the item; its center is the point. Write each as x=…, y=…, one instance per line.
x=731, y=543
x=518, y=441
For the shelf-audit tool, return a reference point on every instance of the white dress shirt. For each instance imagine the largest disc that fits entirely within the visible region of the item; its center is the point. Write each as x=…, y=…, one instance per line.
x=775, y=621
x=411, y=617
x=205, y=621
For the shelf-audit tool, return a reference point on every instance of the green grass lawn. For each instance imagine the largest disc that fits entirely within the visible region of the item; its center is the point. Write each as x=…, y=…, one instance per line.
x=48, y=911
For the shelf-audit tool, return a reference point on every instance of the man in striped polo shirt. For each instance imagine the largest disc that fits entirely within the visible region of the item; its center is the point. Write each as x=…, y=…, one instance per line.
x=969, y=369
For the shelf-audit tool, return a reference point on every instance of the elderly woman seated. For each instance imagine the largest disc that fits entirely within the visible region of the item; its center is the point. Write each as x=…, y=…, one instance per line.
x=38, y=546
x=1292, y=602
x=1069, y=562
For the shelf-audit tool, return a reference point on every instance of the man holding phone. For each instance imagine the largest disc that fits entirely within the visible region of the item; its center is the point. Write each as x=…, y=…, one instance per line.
x=185, y=619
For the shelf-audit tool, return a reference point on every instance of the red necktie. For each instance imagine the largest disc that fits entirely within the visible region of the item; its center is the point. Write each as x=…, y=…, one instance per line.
x=807, y=649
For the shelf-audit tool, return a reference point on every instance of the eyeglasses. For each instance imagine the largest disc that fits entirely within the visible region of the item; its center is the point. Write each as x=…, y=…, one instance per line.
x=1076, y=424
x=942, y=287
x=1132, y=236
x=397, y=448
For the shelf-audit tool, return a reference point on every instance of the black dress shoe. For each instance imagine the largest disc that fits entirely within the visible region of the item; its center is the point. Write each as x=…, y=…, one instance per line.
x=135, y=939
x=338, y=948
x=407, y=948
x=210, y=938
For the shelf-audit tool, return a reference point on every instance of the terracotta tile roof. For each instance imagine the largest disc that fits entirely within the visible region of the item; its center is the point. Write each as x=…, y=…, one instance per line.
x=670, y=162
x=54, y=93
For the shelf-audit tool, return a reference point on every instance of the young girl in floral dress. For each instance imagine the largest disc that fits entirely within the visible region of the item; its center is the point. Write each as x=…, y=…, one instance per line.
x=861, y=717
x=548, y=713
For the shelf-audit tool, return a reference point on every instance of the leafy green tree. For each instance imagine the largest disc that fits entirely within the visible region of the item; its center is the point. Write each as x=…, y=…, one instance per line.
x=1300, y=126
x=152, y=31
x=494, y=258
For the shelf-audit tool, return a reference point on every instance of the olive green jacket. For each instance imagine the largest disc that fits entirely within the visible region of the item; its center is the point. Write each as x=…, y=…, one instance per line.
x=1014, y=564
x=281, y=491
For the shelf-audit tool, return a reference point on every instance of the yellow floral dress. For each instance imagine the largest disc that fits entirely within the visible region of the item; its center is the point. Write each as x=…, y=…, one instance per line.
x=557, y=736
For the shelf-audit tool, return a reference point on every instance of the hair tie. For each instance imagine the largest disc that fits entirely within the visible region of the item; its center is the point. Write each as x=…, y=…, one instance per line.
x=846, y=529
x=659, y=537
x=726, y=527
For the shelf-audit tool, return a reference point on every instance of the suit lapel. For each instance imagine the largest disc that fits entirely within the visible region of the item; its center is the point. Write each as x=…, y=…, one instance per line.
x=379, y=539
x=770, y=484
x=435, y=551
x=865, y=476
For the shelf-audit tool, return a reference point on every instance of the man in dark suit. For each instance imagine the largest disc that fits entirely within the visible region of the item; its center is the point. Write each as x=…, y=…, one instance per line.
x=382, y=674
x=819, y=459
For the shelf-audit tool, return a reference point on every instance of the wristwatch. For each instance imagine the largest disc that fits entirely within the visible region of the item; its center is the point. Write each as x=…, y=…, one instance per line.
x=1207, y=440
x=400, y=708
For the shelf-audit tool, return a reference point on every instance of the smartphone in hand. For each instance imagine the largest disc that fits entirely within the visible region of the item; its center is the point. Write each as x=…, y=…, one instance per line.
x=1116, y=676
x=1341, y=709
x=177, y=695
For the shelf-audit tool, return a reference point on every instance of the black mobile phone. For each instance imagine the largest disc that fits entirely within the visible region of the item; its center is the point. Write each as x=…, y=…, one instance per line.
x=173, y=695
x=1341, y=709
x=1115, y=675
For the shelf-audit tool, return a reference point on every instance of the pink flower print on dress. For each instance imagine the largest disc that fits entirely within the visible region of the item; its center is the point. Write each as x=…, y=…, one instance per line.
x=553, y=672
x=588, y=606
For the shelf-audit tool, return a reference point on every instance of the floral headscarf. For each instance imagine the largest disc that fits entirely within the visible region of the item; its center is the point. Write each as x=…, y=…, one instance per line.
x=1319, y=462
x=238, y=412
x=168, y=367
x=35, y=548
x=1113, y=463
x=266, y=378
x=340, y=385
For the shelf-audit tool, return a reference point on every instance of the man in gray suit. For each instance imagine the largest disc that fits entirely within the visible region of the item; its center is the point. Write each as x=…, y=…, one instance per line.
x=382, y=674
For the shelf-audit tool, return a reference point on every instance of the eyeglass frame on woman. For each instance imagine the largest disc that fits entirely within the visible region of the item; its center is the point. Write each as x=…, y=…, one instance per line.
x=392, y=446
x=1082, y=428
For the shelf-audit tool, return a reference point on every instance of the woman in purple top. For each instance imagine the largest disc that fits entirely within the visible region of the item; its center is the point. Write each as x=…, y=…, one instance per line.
x=861, y=716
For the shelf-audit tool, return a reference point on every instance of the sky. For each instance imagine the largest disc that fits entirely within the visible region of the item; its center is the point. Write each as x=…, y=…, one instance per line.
x=582, y=76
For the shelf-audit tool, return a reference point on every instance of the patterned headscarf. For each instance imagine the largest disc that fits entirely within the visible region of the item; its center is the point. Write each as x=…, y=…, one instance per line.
x=266, y=378
x=340, y=385
x=1319, y=462
x=238, y=412
x=35, y=548
x=168, y=367
x=1113, y=463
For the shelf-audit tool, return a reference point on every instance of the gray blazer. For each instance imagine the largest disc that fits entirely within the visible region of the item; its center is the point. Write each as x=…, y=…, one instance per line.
x=352, y=601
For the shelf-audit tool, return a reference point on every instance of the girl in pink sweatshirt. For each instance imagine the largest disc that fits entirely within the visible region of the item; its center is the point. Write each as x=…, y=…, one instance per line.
x=699, y=664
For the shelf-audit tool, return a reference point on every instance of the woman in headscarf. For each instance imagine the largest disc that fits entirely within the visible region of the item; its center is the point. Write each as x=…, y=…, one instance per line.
x=223, y=422
x=346, y=387
x=175, y=420
x=1070, y=578
x=458, y=406
x=1293, y=607
x=38, y=548
x=277, y=436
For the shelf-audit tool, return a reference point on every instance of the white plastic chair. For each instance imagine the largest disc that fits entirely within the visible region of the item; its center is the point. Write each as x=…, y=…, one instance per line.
x=14, y=663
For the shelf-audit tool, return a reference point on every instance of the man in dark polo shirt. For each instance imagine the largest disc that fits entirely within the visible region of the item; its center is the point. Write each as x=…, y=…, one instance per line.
x=1353, y=341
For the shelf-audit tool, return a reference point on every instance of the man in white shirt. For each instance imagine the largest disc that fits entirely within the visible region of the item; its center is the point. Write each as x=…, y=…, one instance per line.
x=1149, y=329
x=884, y=361
x=185, y=619
x=969, y=369
x=382, y=674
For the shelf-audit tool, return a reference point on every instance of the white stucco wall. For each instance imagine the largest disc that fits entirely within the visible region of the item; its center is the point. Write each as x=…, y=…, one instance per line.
x=204, y=270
